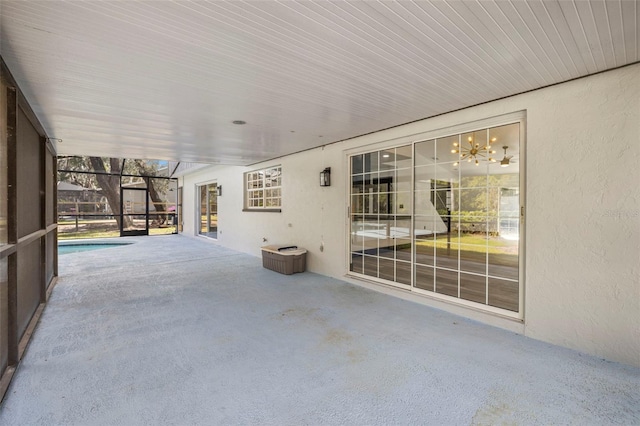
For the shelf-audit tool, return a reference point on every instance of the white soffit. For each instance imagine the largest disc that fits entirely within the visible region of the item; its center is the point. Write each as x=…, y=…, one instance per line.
x=165, y=79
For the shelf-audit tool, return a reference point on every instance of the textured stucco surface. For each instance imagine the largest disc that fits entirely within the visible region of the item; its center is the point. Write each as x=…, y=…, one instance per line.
x=582, y=234
x=583, y=203
x=176, y=330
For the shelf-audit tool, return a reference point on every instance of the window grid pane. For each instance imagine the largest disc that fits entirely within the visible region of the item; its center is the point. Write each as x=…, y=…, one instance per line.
x=263, y=188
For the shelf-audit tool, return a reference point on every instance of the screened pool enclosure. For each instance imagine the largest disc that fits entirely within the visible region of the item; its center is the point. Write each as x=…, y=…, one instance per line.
x=107, y=197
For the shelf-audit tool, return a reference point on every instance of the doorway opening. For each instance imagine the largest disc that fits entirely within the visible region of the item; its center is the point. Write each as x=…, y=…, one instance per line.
x=208, y=202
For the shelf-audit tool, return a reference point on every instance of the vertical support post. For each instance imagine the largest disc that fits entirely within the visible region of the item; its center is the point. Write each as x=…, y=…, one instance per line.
x=43, y=219
x=208, y=209
x=146, y=203
x=121, y=212
x=54, y=200
x=12, y=224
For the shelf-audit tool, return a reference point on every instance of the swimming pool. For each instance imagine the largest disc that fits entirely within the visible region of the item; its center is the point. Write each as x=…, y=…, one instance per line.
x=75, y=247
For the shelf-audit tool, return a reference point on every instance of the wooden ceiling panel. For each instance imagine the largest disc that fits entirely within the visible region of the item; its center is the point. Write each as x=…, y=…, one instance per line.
x=165, y=79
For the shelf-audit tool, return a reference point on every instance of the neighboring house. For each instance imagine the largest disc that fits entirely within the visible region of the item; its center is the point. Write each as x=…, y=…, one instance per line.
x=74, y=199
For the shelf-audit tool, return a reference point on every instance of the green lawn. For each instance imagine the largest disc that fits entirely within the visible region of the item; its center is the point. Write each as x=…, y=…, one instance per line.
x=99, y=229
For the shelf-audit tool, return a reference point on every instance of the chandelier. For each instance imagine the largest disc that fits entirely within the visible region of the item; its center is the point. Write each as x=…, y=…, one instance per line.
x=473, y=152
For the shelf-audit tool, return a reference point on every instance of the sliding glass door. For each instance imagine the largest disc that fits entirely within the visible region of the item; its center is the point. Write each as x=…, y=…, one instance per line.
x=442, y=216
x=208, y=201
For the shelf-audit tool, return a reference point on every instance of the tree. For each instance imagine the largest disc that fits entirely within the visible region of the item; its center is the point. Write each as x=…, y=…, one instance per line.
x=80, y=164
x=109, y=186
x=151, y=169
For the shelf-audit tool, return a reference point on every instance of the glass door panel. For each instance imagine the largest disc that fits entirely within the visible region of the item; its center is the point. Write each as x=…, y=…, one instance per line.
x=209, y=210
x=441, y=215
x=135, y=210
x=212, y=213
x=178, y=218
x=203, y=210
x=381, y=200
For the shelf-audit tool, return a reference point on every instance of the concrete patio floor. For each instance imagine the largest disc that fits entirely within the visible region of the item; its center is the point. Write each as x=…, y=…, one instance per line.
x=176, y=330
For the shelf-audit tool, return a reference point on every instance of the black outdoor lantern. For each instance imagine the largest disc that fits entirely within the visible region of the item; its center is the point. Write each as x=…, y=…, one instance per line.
x=325, y=177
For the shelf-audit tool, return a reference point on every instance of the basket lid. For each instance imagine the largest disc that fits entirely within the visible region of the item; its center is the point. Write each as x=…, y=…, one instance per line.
x=286, y=250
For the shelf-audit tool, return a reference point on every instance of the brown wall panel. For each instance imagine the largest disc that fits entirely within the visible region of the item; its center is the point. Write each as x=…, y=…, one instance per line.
x=4, y=315
x=29, y=283
x=7, y=105
x=27, y=203
x=29, y=177
x=50, y=182
x=3, y=162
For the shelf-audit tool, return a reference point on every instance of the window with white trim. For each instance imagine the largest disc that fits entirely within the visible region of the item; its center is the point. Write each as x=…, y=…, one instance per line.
x=263, y=189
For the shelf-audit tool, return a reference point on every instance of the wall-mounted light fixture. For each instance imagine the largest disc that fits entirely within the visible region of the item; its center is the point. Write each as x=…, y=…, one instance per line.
x=325, y=177
x=219, y=189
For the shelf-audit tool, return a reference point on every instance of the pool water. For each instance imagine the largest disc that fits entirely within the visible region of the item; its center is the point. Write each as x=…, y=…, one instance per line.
x=78, y=247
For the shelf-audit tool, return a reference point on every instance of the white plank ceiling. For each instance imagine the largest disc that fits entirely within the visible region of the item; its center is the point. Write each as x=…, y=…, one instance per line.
x=165, y=79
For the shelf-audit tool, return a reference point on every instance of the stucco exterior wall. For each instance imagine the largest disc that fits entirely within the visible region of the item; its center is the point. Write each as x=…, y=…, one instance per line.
x=582, y=222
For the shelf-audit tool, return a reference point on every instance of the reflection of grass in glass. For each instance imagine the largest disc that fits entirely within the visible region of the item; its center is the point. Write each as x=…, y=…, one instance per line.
x=477, y=243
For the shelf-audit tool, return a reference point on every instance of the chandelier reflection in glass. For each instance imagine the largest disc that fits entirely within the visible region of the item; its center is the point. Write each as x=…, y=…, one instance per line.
x=473, y=152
